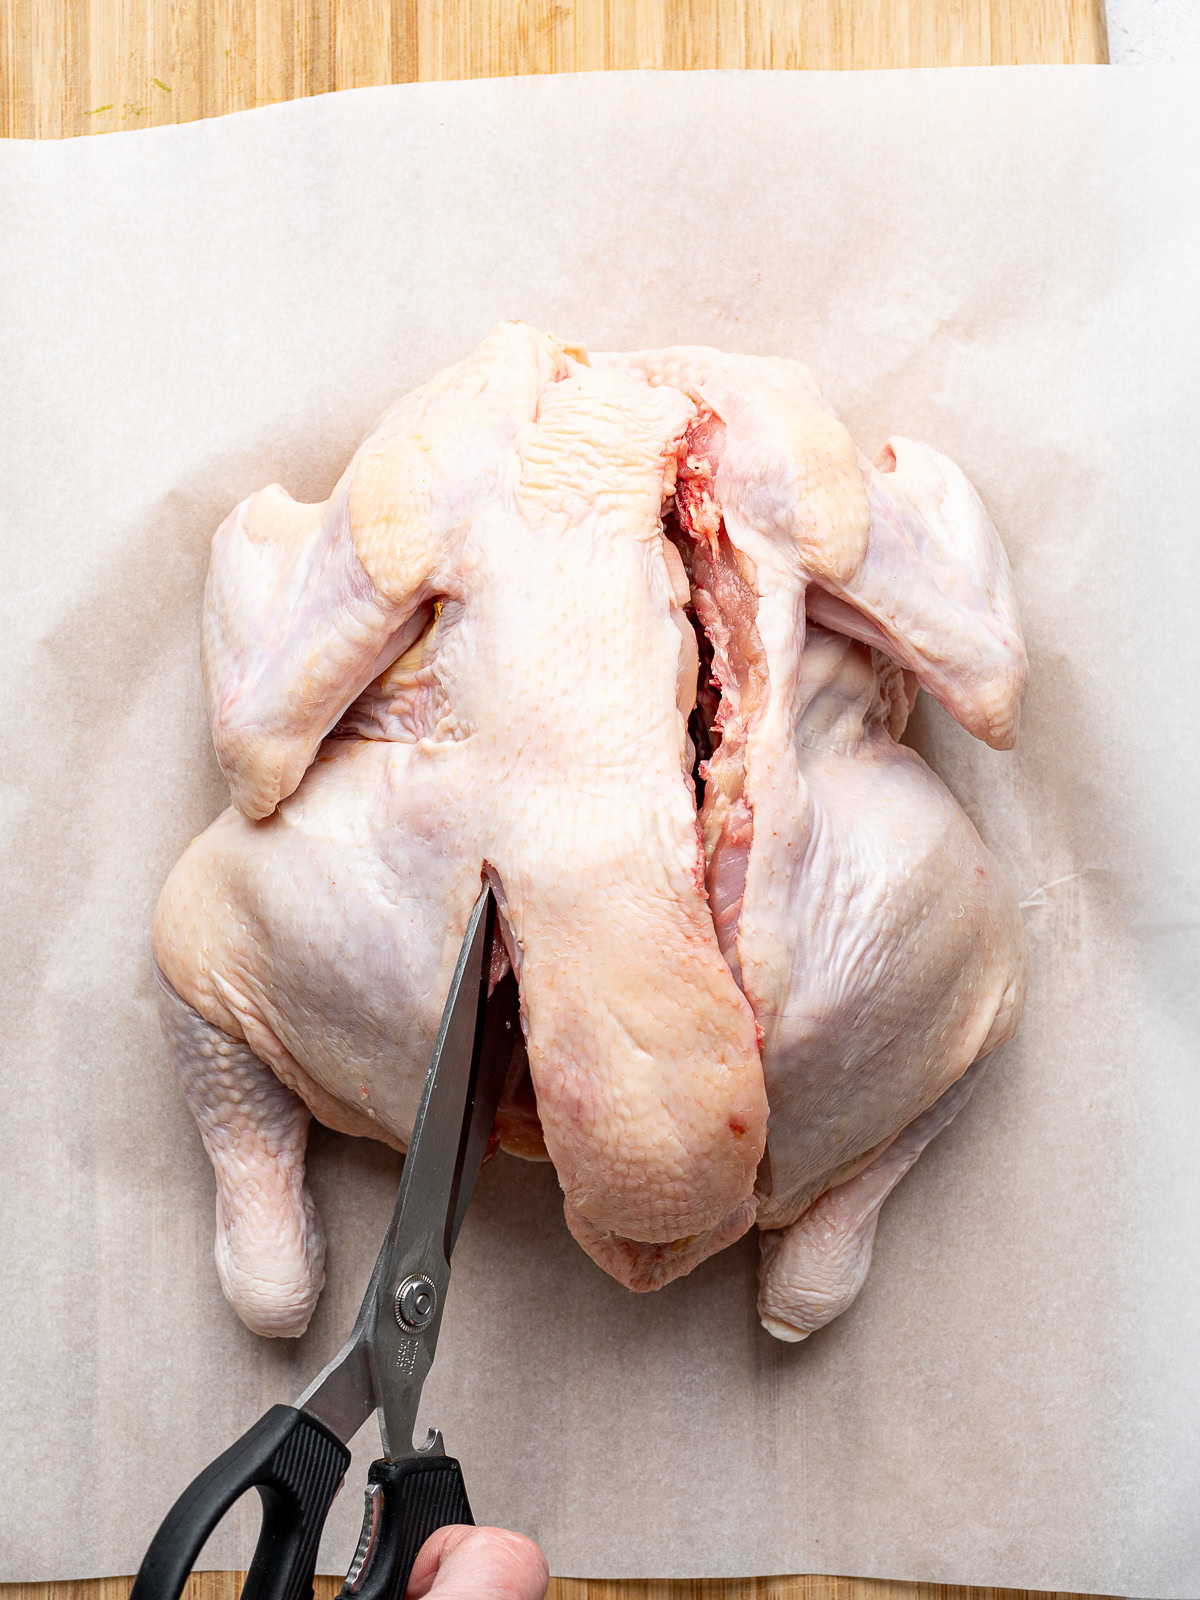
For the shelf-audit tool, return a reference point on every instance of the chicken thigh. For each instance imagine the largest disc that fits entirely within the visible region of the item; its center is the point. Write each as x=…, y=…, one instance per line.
x=636, y=641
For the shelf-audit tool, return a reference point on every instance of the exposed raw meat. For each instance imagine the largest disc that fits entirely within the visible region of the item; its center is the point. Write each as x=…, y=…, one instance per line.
x=553, y=626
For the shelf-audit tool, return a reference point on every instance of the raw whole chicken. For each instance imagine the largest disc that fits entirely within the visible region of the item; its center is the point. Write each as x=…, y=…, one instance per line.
x=635, y=639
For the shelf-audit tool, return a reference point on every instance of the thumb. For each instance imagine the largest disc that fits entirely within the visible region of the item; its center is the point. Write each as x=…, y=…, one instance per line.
x=464, y=1563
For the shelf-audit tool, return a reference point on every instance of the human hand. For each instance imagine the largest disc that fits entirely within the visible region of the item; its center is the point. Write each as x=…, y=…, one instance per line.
x=463, y=1563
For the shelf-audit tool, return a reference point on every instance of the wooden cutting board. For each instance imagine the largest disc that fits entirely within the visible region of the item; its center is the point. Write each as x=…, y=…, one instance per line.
x=94, y=66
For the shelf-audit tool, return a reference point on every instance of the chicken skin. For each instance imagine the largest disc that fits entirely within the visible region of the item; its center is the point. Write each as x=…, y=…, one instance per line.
x=633, y=640
x=872, y=932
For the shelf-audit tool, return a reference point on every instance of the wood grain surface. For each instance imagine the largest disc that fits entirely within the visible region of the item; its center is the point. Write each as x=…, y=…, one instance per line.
x=95, y=66
x=225, y=1586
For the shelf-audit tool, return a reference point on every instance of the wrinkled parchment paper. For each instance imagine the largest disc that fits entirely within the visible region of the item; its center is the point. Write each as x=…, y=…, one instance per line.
x=1001, y=263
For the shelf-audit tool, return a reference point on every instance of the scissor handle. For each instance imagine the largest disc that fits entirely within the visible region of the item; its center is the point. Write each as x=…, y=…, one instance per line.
x=297, y=1466
x=407, y=1500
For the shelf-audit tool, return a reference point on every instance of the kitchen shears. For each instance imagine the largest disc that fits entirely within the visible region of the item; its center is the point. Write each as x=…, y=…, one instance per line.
x=296, y=1456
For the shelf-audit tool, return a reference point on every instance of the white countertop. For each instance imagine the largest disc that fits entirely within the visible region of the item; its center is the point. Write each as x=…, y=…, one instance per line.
x=1149, y=32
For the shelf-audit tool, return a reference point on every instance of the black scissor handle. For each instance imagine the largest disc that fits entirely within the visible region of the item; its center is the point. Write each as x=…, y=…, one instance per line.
x=407, y=1500
x=297, y=1466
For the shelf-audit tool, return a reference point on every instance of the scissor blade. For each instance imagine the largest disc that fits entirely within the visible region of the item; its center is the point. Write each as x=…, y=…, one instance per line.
x=499, y=1035
x=343, y=1394
x=384, y=1363
x=412, y=1291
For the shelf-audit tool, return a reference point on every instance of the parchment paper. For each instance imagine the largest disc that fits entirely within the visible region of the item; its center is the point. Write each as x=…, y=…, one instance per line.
x=999, y=262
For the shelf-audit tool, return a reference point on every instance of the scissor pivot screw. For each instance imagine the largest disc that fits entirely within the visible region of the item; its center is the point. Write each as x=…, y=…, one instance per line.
x=416, y=1302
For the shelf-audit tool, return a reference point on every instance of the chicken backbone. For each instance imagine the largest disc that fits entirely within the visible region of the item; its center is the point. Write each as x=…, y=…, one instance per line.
x=633, y=638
